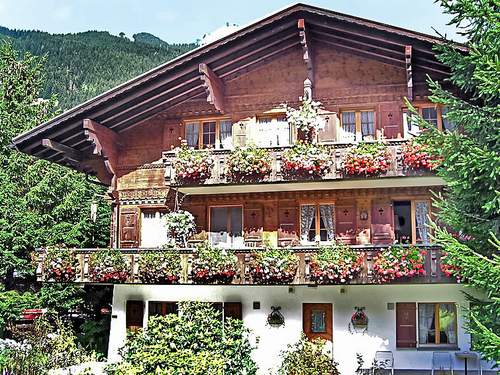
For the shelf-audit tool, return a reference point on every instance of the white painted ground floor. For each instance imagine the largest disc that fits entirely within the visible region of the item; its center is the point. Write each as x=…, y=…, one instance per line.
x=402, y=318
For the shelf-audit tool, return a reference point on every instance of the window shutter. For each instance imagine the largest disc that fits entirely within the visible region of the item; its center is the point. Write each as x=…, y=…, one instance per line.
x=345, y=224
x=233, y=310
x=253, y=222
x=382, y=222
x=129, y=227
x=287, y=229
x=240, y=133
x=328, y=134
x=134, y=315
x=391, y=120
x=406, y=325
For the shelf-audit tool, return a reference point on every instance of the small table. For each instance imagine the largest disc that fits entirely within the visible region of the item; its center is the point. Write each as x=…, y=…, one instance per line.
x=466, y=355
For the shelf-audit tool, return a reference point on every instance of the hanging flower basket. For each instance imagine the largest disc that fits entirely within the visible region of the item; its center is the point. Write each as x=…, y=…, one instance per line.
x=398, y=262
x=367, y=159
x=248, y=164
x=306, y=119
x=417, y=157
x=60, y=264
x=306, y=161
x=213, y=265
x=180, y=226
x=108, y=266
x=336, y=264
x=192, y=166
x=359, y=320
x=275, y=318
x=159, y=267
x=274, y=266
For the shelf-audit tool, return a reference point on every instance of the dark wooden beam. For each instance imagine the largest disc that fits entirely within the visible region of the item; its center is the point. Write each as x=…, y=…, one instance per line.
x=214, y=87
x=305, y=42
x=409, y=72
x=69, y=152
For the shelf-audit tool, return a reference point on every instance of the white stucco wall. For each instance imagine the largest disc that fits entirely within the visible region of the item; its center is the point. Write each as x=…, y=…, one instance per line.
x=381, y=334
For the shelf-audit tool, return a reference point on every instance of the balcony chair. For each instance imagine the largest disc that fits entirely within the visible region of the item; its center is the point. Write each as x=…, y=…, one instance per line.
x=384, y=360
x=442, y=361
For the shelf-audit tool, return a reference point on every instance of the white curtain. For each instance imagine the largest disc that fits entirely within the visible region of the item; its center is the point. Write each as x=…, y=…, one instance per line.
x=425, y=322
x=326, y=214
x=422, y=213
x=447, y=319
x=307, y=213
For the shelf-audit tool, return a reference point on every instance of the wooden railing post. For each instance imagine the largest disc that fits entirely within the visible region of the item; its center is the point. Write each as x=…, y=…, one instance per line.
x=86, y=258
x=39, y=267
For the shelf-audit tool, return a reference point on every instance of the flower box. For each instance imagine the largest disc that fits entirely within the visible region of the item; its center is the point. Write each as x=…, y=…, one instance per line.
x=60, y=264
x=108, y=266
x=159, y=267
x=213, y=265
x=274, y=266
x=192, y=166
x=367, y=159
x=417, y=157
x=398, y=262
x=249, y=163
x=337, y=264
x=306, y=119
x=306, y=161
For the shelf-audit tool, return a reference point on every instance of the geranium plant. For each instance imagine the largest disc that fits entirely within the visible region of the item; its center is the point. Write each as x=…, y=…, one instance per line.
x=180, y=225
x=367, y=159
x=159, y=267
x=336, y=264
x=449, y=269
x=274, y=266
x=417, y=156
x=60, y=264
x=248, y=163
x=192, y=166
x=306, y=119
x=398, y=261
x=306, y=160
x=213, y=265
x=108, y=266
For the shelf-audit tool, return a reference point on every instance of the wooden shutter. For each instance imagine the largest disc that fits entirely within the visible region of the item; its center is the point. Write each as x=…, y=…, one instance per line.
x=240, y=133
x=391, y=118
x=406, y=325
x=129, y=227
x=324, y=309
x=382, y=227
x=134, y=315
x=287, y=228
x=233, y=310
x=345, y=224
x=328, y=134
x=253, y=222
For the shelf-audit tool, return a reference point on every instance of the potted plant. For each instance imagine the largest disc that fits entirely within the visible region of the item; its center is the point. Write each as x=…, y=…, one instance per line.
x=367, y=159
x=180, y=226
x=306, y=119
x=192, y=166
x=274, y=266
x=60, y=264
x=359, y=320
x=398, y=261
x=306, y=160
x=159, y=267
x=248, y=163
x=213, y=265
x=108, y=266
x=417, y=156
x=336, y=264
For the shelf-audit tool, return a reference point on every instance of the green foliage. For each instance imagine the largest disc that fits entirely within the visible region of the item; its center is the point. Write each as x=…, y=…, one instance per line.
x=307, y=358
x=94, y=335
x=60, y=264
x=160, y=267
x=195, y=342
x=12, y=303
x=61, y=297
x=108, y=265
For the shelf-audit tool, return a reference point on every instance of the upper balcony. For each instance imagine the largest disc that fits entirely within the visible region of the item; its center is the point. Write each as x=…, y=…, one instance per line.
x=334, y=177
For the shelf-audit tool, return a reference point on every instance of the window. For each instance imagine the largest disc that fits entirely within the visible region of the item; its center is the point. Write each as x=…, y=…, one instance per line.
x=134, y=315
x=402, y=222
x=226, y=226
x=447, y=124
x=317, y=320
x=411, y=220
x=430, y=114
x=358, y=125
x=437, y=324
x=153, y=232
x=214, y=133
x=272, y=132
x=162, y=308
x=317, y=223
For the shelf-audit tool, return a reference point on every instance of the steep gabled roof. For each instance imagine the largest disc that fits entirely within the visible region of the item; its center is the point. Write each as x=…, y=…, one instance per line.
x=179, y=80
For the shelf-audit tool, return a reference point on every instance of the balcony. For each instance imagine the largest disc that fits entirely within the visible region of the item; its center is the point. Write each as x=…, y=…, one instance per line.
x=334, y=178
x=243, y=276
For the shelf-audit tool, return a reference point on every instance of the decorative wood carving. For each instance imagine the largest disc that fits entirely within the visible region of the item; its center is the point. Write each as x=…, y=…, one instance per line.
x=69, y=152
x=214, y=87
x=305, y=42
x=409, y=73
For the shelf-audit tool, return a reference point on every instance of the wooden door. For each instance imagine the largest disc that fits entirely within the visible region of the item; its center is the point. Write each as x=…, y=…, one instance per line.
x=287, y=225
x=318, y=320
x=382, y=222
x=406, y=325
x=345, y=224
x=391, y=119
x=129, y=227
x=253, y=223
x=233, y=310
x=134, y=315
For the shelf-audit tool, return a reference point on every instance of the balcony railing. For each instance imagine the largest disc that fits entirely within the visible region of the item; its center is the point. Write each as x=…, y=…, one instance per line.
x=335, y=172
x=432, y=265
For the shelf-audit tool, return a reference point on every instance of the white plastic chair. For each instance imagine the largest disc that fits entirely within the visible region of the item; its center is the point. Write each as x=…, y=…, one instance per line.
x=442, y=361
x=384, y=360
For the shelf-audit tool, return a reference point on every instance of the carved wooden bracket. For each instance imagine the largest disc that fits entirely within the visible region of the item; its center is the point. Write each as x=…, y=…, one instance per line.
x=305, y=42
x=105, y=144
x=69, y=153
x=409, y=73
x=214, y=87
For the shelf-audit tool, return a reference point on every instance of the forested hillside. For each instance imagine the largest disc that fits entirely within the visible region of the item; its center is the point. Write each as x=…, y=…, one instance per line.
x=82, y=65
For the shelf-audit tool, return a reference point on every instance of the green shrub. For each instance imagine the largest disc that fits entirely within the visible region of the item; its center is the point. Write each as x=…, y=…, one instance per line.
x=195, y=342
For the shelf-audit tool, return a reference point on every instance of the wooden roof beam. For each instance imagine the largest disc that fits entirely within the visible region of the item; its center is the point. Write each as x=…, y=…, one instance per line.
x=306, y=43
x=214, y=87
x=409, y=72
x=68, y=152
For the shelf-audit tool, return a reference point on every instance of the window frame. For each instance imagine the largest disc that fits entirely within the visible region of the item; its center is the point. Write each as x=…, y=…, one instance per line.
x=413, y=215
x=200, y=122
x=158, y=210
x=228, y=220
x=358, y=134
x=274, y=117
x=437, y=326
x=317, y=217
x=420, y=107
